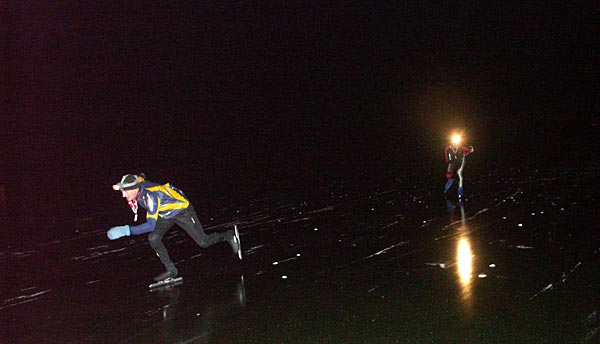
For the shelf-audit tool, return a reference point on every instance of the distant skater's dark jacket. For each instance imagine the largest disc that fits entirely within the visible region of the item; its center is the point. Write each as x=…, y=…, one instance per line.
x=455, y=158
x=165, y=201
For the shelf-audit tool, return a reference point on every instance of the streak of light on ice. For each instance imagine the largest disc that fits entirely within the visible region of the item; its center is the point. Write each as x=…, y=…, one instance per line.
x=97, y=247
x=523, y=247
x=286, y=260
x=23, y=299
x=28, y=296
x=298, y=220
x=548, y=287
x=98, y=254
x=384, y=250
x=252, y=249
x=390, y=225
x=512, y=196
x=565, y=276
x=330, y=208
x=372, y=289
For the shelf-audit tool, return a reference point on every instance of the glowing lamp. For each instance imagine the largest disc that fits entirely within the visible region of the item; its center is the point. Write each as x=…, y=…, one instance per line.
x=456, y=138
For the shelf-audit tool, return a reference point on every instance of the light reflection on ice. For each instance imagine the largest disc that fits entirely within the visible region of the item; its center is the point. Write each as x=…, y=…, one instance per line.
x=464, y=259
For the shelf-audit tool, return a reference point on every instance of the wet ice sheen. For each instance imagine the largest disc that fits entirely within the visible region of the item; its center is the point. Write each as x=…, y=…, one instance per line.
x=376, y=266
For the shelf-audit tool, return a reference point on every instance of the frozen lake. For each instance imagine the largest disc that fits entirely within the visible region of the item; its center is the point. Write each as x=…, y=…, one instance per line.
x=362, y=260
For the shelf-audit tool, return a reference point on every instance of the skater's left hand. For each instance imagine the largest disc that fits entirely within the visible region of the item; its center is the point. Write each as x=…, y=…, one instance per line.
x=472, y=149
x=118, y=231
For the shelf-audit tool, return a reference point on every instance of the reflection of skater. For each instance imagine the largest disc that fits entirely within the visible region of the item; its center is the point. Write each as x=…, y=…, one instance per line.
x=165, y=206
x=210, y=312
x=455, y=158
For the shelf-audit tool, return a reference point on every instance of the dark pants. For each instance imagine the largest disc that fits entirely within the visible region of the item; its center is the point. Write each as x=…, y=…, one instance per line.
x=188, y=220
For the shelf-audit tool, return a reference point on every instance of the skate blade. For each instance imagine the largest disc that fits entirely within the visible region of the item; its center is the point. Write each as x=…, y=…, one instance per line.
x=167, y=282
x=237, y=235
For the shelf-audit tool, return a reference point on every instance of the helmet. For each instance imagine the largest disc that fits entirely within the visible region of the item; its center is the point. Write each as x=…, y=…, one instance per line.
x=128, y=182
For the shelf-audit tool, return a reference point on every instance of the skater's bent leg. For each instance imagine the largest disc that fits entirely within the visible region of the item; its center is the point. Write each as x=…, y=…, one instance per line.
x=188, y=220
x=155, y=240
x=448, y=184
x=449, y=177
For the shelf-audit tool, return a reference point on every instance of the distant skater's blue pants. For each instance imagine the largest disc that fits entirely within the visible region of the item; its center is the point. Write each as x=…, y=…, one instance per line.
x=458, y=168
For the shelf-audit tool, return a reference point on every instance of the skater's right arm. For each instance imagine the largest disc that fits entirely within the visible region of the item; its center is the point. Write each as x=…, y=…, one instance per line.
x=145, y=227
x=153, y=203
x=126, y=230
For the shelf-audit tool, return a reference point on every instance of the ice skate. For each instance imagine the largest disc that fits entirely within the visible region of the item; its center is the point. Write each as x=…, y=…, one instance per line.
x=236, y=244
x=170, y=273
x=167, y=282
x=168, y=277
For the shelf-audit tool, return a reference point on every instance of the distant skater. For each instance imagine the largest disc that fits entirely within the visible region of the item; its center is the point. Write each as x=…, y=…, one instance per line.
x=165, y=206
x=455, y=158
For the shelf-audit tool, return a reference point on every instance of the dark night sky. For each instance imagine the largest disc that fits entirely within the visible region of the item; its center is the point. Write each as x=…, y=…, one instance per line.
x=96, y=88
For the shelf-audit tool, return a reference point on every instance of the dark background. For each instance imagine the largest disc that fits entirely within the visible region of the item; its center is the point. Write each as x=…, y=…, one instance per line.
x=271, y=97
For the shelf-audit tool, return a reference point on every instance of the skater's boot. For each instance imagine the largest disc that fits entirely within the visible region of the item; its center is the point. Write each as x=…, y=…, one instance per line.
x=448, y=184
x=170, y=273
x=460, y=192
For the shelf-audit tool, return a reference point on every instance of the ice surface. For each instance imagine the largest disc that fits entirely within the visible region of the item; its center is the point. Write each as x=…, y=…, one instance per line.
x=391, y=261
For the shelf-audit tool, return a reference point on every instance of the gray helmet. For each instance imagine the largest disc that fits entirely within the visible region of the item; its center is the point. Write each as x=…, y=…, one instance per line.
x=128, y=182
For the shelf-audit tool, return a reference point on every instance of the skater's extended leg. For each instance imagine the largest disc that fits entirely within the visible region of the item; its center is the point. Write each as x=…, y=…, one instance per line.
x=188, y=220
x=460, y=177
x=155, y=239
